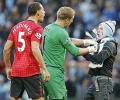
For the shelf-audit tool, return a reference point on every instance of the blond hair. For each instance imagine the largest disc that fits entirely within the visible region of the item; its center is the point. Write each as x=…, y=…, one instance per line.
x=65, y=12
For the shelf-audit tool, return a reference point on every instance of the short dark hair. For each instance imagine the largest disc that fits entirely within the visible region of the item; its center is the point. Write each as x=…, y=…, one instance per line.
x=65, y=12
x=33, y=8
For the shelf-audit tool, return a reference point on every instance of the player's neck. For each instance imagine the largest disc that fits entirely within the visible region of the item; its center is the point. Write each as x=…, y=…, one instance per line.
x=32, y=18
x=59, y=22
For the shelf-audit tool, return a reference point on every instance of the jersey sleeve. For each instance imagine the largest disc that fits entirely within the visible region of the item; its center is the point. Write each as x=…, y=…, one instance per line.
x=37, y=35
x=66, y=42
x=10, y=37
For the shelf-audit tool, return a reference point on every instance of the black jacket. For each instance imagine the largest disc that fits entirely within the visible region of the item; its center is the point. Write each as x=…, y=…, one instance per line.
x=105, y=57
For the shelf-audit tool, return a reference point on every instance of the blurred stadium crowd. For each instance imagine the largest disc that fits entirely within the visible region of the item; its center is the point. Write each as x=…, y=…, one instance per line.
x=89, y=13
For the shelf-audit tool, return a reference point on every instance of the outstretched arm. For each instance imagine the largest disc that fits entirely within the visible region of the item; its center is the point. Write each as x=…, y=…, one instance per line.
x=83, y=42
x=67, y=43
x=77, y=42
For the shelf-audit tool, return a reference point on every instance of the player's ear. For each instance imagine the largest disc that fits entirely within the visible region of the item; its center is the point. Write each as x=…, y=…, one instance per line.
x=38, y=14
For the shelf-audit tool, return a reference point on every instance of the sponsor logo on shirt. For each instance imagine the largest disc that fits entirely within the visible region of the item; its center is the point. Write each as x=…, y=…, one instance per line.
x=38, y=35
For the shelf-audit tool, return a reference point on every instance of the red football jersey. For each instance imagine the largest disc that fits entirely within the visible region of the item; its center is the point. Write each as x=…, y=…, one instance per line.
x=22, y=34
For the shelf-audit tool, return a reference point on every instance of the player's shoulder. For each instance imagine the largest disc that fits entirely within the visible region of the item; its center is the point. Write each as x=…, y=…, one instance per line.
x=55, y=28
x=37, y=27
x=32, y=24
x=49, y=26
x=22, y=22
x=15, y=27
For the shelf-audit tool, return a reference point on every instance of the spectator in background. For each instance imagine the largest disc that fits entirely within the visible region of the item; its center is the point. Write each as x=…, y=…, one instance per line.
x=116, y=82
x=3, y=93
x=82, y=80
x=2, y=14
x=109, y=11
x=1, y=56
x=71, y=80
x=9, y=5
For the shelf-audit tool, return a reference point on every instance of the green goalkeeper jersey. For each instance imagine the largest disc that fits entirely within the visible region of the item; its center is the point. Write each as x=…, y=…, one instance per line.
x=55, y=43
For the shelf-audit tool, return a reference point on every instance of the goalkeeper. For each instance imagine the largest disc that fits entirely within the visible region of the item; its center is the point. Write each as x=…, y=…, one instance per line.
x=55, y=43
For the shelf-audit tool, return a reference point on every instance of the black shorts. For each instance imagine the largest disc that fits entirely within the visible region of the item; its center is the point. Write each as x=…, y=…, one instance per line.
x=32, y=84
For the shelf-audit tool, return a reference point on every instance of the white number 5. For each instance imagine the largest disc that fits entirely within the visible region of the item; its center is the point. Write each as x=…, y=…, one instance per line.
x=20, y=39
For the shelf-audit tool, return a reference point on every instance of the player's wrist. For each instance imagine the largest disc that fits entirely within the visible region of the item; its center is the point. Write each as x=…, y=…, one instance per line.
x=43, y=67
x=8, y=68
x=88, y=42
x=92, y=49
x=84, y=43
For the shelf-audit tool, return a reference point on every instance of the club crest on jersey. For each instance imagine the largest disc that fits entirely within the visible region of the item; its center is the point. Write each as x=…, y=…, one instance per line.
x=38, y=35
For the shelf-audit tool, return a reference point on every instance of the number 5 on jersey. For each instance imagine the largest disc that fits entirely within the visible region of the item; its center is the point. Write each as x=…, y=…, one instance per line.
x=21, y=40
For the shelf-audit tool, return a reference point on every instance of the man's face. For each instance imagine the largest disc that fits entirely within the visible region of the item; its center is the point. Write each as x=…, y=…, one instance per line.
x=41, y=14
x=100, y=32
x=68, y=22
